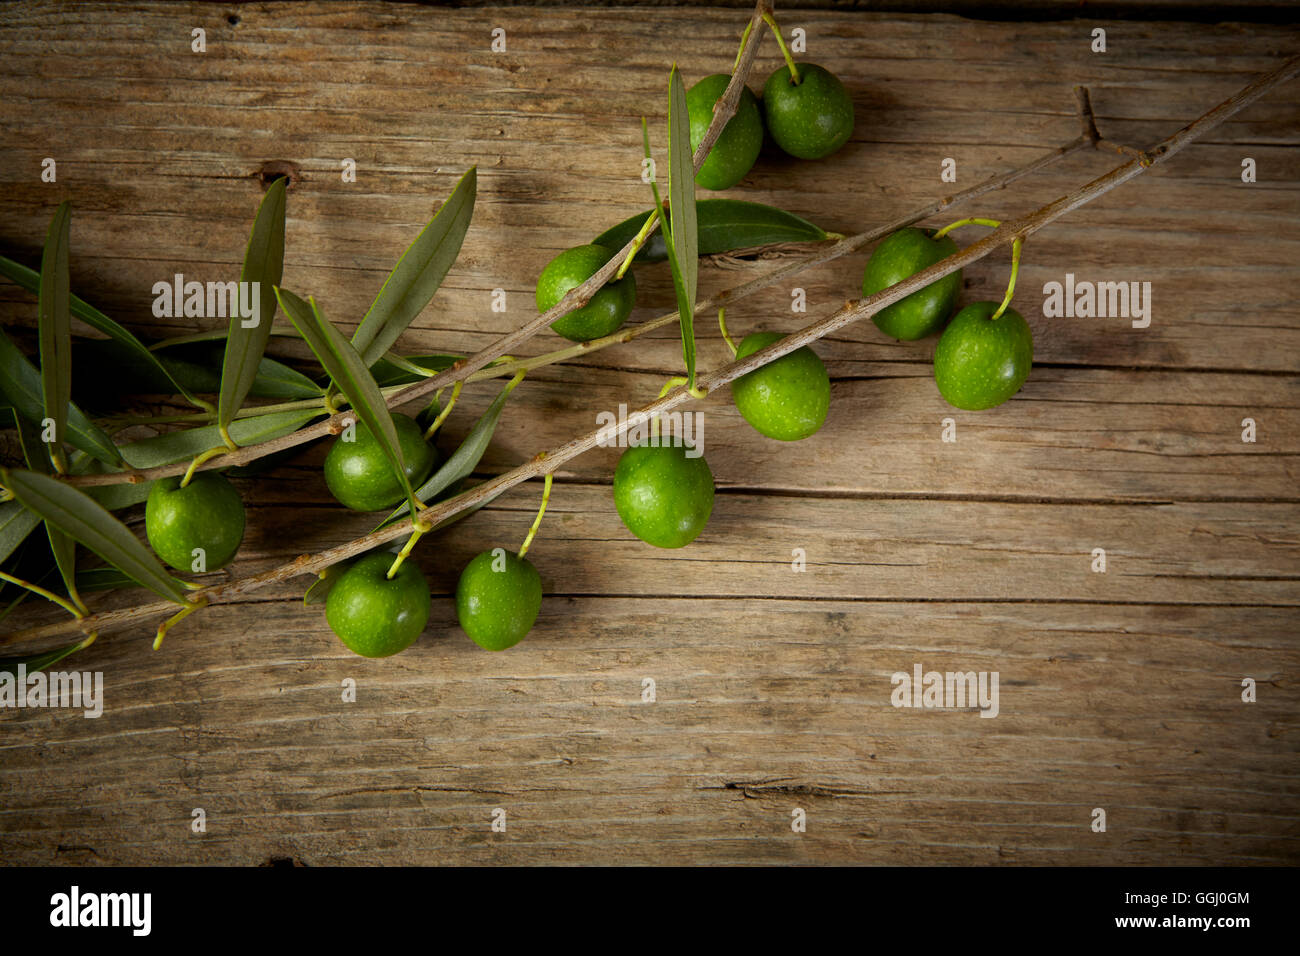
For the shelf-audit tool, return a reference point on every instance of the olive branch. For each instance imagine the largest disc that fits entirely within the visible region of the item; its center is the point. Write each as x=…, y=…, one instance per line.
x=493, y=361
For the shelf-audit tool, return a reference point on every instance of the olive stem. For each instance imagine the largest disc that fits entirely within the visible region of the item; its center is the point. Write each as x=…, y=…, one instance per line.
x=48, y=595
x=442, y=415
x=785, y=51
x=744, y=38
x=402, y=555
x=722, y=326
x=199, y=459
x=1016, y=245
x=638, y=241
x=537, y=522
x=991, y=223
x=176, y=618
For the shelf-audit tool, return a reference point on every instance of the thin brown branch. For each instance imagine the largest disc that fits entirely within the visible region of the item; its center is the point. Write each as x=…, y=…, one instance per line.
x=852, y=311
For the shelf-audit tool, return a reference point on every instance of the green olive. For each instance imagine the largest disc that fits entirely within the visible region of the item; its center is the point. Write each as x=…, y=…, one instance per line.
x=980, y=361
x=737, y=148
x=359, y=474
x=786, y=399
x=812, y=118
x=663, y=496
x=206, y=516
x=374, y=615
x=498, y=598
x=898, y=257
x=607, y=310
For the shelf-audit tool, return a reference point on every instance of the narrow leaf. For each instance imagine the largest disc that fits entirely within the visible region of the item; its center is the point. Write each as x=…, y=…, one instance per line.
x=464, y=459
x=418, y=274
x=80, y=516
x=20, y=383
x=35, y=662
x=264, y=264
x=16, y=523
x=183, y=445
x=30, y=280
x=389, y=372
x=212, y=335
x=106, y=368
x=725, y=225
x=102, y=579
x=348, y=370
x=112, y=497
x=56, y=330
x=681, y=203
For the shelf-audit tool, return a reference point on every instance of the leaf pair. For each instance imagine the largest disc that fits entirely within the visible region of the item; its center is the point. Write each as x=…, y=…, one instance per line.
x=407, y=290
x=418, y=273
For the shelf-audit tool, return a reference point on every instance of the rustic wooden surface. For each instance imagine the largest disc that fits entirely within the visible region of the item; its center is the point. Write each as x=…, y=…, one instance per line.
x=1118, y=690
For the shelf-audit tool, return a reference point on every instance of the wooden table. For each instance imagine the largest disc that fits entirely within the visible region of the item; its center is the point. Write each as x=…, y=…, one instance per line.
x=1119, y=690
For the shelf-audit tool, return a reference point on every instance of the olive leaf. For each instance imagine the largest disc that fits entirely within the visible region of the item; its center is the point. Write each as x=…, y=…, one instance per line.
x=80, y=516
x=213, y=335
x=102, y=579
x=16, y=523
x=113, y=497
x=681, y=231
x=683, y=242
x=418, y=273
x=464, y=459
x=20, y=383
x=397, y=370
x=348, y=371
x=55, y=331
x=725, y=225
x=34, y=662
x=185, y=444
x=30, y=280
x=263, y=264
x=103, y=368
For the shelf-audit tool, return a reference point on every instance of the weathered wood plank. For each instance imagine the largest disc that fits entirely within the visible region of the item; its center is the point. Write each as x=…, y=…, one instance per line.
x=761, y=707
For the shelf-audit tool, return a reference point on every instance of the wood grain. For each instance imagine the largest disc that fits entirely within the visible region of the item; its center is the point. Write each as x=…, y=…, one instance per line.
x=1119, y=690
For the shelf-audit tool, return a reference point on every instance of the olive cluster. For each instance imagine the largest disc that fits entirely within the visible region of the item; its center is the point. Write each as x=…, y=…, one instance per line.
x=663, y=493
